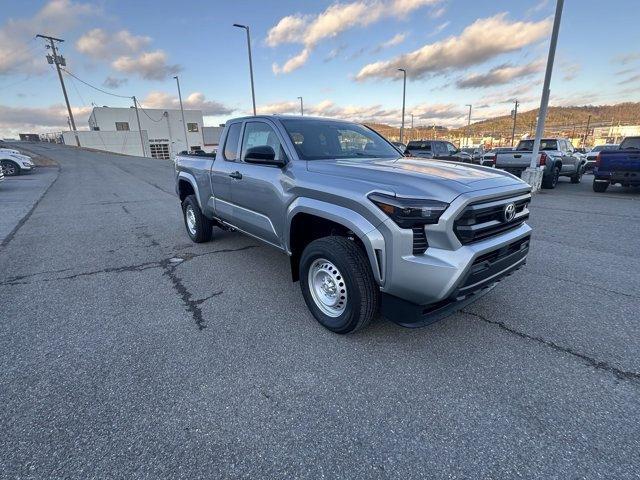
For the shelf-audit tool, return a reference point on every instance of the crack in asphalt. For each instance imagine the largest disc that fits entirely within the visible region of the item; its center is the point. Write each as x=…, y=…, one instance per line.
x=600, y=288
x=592, y=362
x=17, y=280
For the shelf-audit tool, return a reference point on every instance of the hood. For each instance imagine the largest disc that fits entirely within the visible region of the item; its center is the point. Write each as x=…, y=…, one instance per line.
x=436, y=179
x=9, y=150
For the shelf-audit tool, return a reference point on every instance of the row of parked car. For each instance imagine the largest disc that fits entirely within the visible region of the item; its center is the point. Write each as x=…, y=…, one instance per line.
x=557, y=155
x=13, y=162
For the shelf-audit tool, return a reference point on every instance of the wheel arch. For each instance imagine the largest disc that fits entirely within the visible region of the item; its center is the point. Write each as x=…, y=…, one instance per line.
x=304, y=210
x=186, y=186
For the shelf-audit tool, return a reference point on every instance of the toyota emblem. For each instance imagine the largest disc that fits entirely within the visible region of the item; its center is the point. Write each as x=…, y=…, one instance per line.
x=509, y=212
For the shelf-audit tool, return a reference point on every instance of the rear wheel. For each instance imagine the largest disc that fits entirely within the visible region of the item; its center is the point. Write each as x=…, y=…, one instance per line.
x=10, y=168
x=600, y=186
x=199, y=227
x=552, y=180
x=338, y=285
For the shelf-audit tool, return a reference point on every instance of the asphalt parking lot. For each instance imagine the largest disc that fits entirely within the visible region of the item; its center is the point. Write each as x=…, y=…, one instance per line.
x=126, y=351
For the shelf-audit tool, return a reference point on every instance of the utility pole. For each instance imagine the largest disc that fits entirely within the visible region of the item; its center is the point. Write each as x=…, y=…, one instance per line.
x=135, y=105
x=186, y=138
x=533, y=175
x=586, y=133
x=404, y=91
x=253, y=93
x=515, y=116
x=58, y=60
x=468, y=124
x=301, y=107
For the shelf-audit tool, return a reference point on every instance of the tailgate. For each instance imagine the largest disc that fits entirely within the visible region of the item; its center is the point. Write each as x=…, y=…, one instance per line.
x=517, y=159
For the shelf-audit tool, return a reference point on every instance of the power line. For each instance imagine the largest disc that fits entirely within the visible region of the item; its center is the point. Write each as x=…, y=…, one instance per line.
x=93, y=86
x=143, y=111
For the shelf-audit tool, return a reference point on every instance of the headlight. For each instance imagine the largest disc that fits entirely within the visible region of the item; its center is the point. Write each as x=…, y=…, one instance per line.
x=409, y=212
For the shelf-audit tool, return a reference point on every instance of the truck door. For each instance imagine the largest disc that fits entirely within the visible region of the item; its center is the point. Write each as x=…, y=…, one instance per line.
x=258, y=195
x=223, y=173
x=572, y=159
x=439, y=150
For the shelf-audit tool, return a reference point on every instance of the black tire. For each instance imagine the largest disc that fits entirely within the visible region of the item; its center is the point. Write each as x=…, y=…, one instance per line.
x=578, y=176
x=362, y=293
x=551, y=181
x=203, y=227
x=10, y=169
x=600, y=187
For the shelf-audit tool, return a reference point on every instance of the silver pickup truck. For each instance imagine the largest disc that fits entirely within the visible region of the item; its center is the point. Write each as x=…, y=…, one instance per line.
x=365, y=229
x=557, y=156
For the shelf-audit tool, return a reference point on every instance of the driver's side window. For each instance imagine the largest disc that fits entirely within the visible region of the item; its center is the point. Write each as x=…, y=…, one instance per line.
x=259, y=134
x=451, y=148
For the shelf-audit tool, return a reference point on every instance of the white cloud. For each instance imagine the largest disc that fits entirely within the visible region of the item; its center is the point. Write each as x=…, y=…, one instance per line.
x=473, y=46
x=442, y=114
x=309, y=30
x=148, y=65
x=500, y=75
x=626, y=58
x=195, y=101
x=439, y=28
x=18, y=54
x=397, y=39
x=293, y=63
x=438, y=12
x=14, y=120
x=100, y=44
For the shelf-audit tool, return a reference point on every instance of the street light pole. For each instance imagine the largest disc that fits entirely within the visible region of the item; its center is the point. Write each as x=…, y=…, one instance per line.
x=301, y=107
x=515, y=116
x=253, y=93
x=412, y=132
x=186, y=138
x=533, y=175
x=468, y=124
x=404, y=91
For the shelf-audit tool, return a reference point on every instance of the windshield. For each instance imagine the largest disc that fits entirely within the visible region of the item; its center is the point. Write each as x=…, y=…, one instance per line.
x=327, y=139
x=527, y=145
x=630, y=143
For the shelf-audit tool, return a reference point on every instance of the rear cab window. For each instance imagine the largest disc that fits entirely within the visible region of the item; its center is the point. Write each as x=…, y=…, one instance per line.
x=630, y=143
x=426, y=146
x=230, y=151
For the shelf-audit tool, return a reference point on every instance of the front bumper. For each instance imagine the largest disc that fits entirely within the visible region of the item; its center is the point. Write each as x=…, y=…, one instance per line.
x=483, y=273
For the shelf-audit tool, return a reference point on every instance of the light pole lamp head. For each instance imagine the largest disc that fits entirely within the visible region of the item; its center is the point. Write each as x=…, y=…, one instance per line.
x=240, y=26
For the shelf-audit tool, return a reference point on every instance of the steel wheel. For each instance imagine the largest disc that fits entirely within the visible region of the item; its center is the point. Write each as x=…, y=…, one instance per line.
x=327, y=287
x=191, y=219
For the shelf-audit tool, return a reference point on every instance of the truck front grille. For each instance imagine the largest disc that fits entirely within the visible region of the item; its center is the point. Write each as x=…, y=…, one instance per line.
x=482, y=220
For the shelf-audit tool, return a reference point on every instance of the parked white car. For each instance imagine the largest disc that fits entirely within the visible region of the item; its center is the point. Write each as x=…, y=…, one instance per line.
x=14, y=163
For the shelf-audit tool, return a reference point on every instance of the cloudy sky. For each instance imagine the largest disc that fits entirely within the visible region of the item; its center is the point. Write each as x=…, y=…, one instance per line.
x=341, y=57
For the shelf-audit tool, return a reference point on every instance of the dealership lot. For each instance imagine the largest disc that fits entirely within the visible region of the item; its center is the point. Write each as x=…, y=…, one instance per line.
x=126, y=350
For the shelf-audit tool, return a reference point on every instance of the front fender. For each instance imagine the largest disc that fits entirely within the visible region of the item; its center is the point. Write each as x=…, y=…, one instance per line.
x=365, y=230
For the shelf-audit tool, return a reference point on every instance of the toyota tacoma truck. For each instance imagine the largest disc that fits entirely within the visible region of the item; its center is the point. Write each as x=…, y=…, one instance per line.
x=365, y=229
x=621, y=166
x=557, y=156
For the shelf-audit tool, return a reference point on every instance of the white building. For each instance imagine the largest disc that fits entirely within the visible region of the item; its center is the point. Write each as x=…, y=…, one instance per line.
x=163, y=133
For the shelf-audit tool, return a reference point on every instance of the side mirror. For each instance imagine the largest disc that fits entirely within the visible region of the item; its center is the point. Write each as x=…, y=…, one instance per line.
x=263, y=155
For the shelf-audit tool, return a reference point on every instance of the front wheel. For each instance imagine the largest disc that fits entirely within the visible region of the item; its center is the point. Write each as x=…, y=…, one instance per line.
x=199, y=227
x=9, y=168
x=600, y=187
x=577, y=177
x=551, y=181
x=338, y=285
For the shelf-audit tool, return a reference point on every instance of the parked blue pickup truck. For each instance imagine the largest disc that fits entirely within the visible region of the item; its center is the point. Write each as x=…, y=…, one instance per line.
x=621, y=166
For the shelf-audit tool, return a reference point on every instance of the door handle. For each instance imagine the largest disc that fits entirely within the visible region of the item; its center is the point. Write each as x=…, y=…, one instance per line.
x=237, y=175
